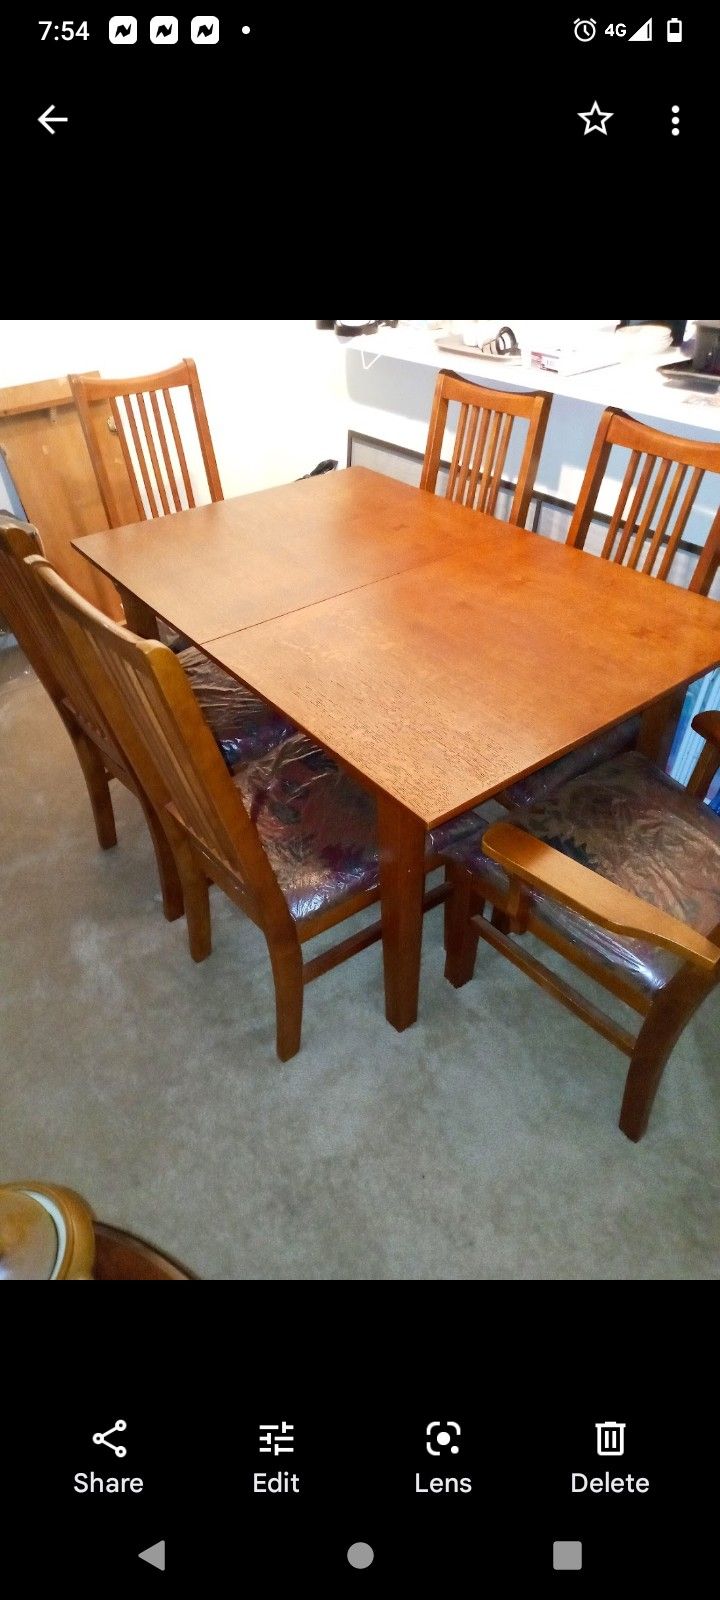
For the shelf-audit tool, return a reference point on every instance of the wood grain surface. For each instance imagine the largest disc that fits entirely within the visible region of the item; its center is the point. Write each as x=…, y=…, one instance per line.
x=226, y=566
x=444, y=684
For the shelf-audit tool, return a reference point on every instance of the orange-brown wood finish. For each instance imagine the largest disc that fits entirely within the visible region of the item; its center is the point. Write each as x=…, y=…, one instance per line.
x=437, y=653
x=482, y=436
x=92, y=737
x=442, y=685
x=122, y=1257
x=141, y=415
x=32, y=1245
x=532, y=864
x=145, y=693
x=42, y=441
x=222, y=567
x=28, y=1232
x=656, y=497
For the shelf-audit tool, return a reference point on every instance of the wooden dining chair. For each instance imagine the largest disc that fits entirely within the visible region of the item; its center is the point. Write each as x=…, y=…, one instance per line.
x=659, y=487
x=140, y=414
x=484, y=427
x=617, y=870
x=290, y=838
x=98, y=752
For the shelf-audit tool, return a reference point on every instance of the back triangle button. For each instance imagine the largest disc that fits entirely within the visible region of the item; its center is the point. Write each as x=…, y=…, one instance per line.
x=155, y=1555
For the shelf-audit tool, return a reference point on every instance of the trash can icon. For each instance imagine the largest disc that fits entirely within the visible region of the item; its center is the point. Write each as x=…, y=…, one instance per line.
x=610, y=1438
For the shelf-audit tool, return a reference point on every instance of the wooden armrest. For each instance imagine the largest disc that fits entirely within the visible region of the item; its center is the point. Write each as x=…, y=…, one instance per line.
x=532, y=862
x=708, y=724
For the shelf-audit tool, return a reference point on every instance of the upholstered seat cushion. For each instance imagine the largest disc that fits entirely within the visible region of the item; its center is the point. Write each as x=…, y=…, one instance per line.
x=243, y=724
x=318, y=827
x=633, y=824
x=537, y=785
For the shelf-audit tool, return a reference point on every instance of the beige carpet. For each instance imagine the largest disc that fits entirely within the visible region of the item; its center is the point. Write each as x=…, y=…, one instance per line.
x=482, y=1143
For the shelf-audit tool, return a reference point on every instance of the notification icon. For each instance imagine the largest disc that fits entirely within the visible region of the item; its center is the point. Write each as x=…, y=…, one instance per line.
x=122, y=30
x=163, y=30
x=205, y=30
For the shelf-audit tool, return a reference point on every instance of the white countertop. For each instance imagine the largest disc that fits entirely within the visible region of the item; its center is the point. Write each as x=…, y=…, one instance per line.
x=634, y=385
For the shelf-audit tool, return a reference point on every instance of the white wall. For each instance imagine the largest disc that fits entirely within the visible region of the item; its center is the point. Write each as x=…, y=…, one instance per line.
x=274, y=391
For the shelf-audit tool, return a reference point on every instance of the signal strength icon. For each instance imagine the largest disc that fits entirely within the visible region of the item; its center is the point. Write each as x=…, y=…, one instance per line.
x=643, y=34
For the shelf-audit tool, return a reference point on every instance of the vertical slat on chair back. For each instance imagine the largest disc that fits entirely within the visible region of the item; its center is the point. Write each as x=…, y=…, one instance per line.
x=44, y=643
x=657, y=494
x=485, y=422
x=143, y=687
x=144, y=419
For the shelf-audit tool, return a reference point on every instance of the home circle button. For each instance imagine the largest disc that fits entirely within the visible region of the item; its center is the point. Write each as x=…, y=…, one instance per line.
x=361, y=1555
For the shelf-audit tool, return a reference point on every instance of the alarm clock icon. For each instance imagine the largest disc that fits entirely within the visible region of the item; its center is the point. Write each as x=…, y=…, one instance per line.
x=584, y=29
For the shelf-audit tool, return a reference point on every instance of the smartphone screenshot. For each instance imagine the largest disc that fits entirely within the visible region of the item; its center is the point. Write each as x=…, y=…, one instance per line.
x=360, y=802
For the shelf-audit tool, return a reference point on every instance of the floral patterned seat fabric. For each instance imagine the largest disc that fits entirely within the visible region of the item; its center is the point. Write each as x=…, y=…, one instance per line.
x=243, y=724
x=636, y=826
x=318, y=827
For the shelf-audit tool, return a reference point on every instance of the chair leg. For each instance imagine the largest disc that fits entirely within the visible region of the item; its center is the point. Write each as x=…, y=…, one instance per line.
x=170, y=881
x=287, y=968
x=500, y=920
x=462, y=938
x=98, y=788
x=657, y=1038
x=447, y=914
x=194, y=890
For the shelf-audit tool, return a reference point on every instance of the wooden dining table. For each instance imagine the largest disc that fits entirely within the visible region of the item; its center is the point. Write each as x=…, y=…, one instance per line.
x=438, y=653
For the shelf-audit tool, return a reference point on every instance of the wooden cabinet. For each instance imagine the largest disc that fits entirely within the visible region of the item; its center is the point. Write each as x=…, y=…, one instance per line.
x=43, y=444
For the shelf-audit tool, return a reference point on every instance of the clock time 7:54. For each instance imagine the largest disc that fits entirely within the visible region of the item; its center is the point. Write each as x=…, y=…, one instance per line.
x=63, y=30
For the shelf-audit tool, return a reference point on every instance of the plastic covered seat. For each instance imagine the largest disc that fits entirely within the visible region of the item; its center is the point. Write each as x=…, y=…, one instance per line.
x=242, y=724
x=629, y=822
x=319, y=828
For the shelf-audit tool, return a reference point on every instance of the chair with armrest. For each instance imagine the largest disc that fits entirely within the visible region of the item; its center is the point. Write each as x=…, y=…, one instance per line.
x=618, y=870
x=659, y=486
x=485, y=422
x=289, y=837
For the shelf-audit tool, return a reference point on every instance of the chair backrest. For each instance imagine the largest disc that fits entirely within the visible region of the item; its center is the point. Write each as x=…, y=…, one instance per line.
x=149, y=438
x=45, y=644
x=655, y=500
x=484, y=426
x=144, y=691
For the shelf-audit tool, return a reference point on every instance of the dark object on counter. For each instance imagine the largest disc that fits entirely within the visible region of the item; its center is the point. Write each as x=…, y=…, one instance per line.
x=350, y=330
x=322, y=466
x=326, y=325
x=684, y=374
x=706, y=355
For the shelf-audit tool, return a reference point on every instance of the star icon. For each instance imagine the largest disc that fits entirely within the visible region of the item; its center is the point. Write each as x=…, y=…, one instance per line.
x=595, y=119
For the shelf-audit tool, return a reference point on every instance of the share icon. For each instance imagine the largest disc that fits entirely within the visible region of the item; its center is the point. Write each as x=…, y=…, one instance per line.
x=104, y=1438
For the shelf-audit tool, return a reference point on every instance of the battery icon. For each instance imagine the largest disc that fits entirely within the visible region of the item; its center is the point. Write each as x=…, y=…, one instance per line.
x=674, y=31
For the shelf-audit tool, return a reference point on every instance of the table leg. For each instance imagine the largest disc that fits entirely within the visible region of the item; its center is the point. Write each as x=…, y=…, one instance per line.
x=140, y=618
x=402, y=886
x=658, y=724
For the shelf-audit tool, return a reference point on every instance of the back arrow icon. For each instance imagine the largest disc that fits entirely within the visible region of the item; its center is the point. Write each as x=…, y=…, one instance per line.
x=46, y=119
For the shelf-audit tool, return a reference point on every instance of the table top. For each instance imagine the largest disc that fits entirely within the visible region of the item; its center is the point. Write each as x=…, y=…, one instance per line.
x=439, y=653
x=238, y=562
x=442, y=684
